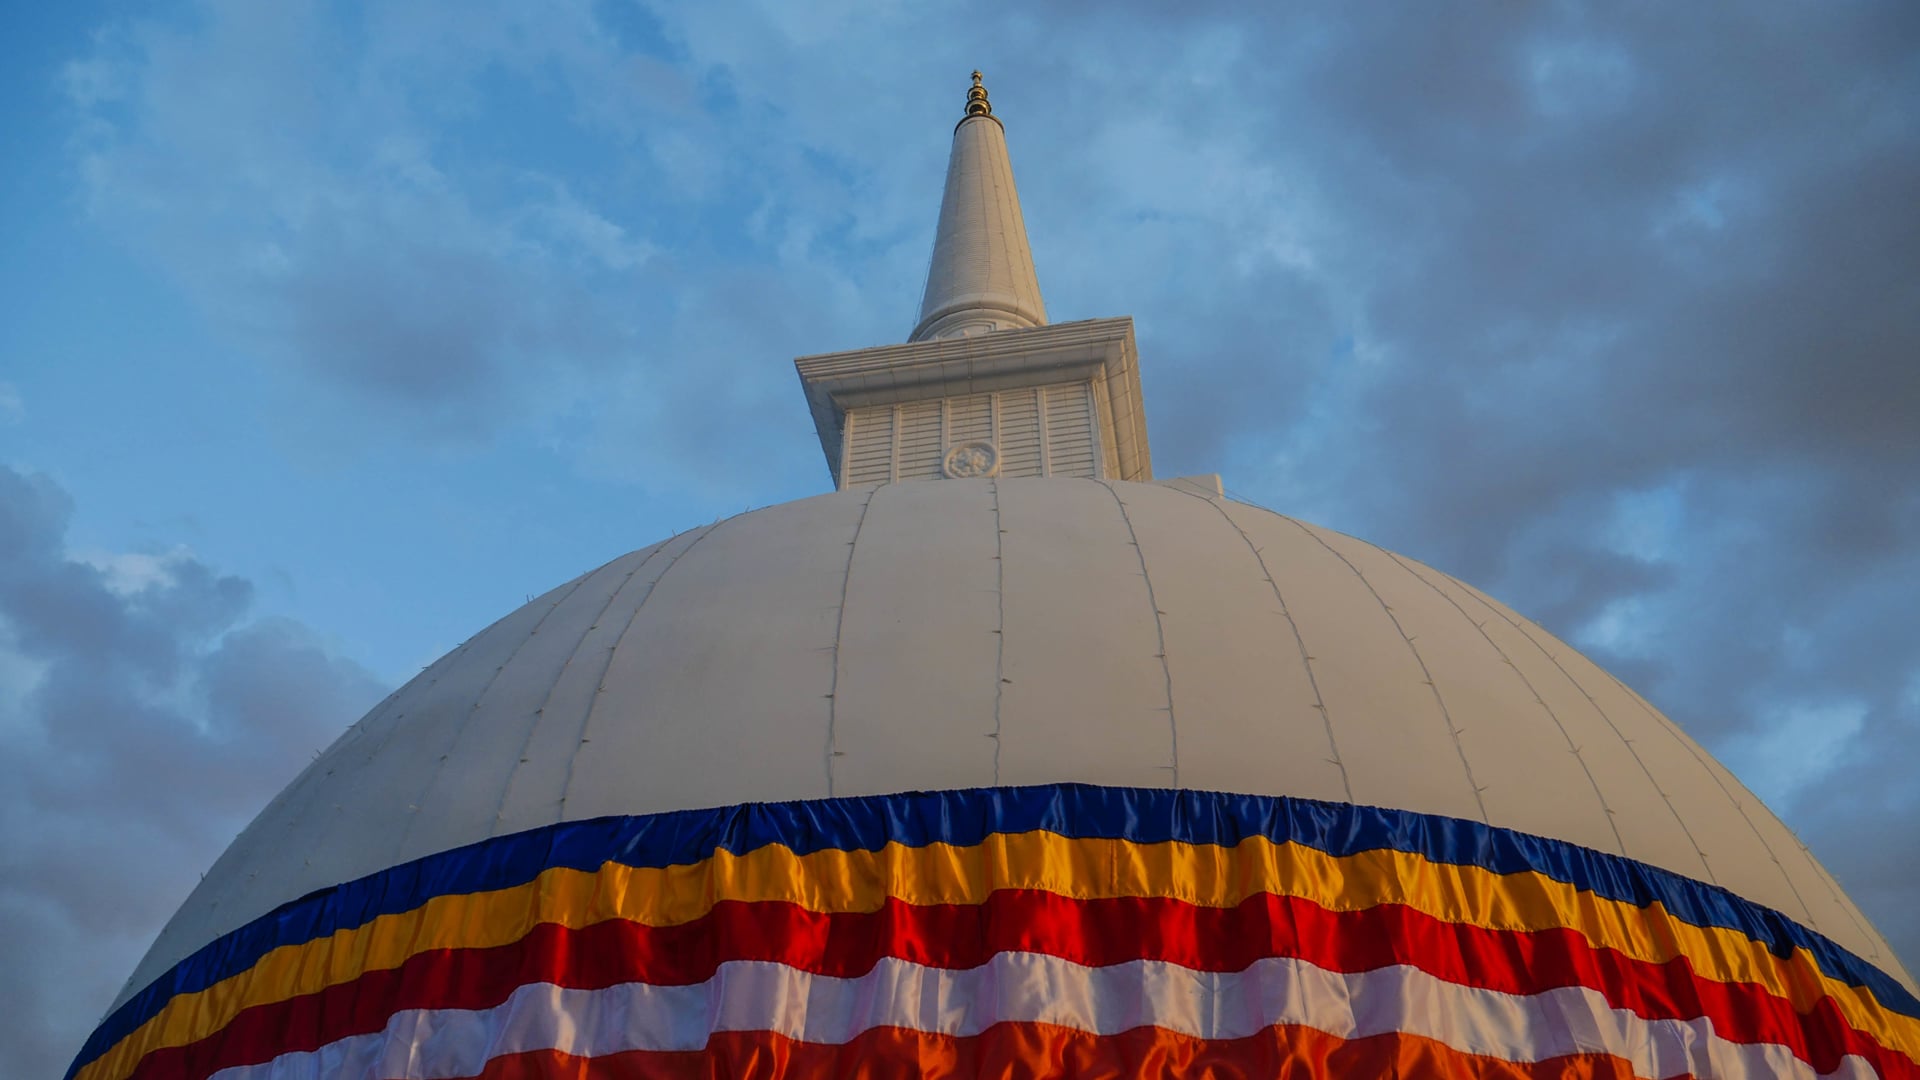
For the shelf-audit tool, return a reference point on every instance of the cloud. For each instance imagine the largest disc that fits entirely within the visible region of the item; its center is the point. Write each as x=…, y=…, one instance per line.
x=144, y=718
x=1644, y=366
x=1612, y=316
x=388, y=208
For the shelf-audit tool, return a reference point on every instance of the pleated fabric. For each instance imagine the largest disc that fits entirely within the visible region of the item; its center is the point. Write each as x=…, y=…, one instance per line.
x=1058, y=930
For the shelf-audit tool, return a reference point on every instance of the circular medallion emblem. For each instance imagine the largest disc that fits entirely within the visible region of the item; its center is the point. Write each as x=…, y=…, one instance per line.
x=971, y=460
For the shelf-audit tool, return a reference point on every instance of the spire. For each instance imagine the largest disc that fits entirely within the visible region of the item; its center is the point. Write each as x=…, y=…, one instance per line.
x=981, y=277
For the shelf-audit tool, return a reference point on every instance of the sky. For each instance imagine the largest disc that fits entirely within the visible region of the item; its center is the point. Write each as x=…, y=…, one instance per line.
x=331, y=332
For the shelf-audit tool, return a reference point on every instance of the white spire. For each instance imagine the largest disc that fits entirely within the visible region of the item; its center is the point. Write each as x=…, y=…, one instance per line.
x=981, y=277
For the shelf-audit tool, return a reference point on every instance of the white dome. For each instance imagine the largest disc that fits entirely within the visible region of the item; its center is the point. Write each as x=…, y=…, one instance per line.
x=966, y=633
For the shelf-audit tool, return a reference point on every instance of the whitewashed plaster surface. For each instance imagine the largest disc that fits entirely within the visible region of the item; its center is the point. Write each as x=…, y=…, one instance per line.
x=961, y=633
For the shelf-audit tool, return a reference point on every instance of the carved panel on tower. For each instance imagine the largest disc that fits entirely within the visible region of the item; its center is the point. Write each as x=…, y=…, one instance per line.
x=1029, y=431
x=1020, y=432
x=1071, y=446
x=1060, y=400
x=869, y=446
x=922, y=440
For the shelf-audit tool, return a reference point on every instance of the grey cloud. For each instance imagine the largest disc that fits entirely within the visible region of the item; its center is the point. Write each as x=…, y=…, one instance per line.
x=1544, y=276
x=451, y=293
x=64, y=608
x=429, y=322
x=1498, y=287
x=1483, y=284
x=139, y=729
x=1559, y=274
x=1879, y=874
x=1708, y=282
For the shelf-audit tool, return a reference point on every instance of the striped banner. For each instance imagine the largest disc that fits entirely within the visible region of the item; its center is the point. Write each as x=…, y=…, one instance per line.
x=1062, y=930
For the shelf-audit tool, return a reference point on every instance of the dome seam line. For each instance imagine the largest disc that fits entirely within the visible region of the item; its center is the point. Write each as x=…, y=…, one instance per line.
x=393, y=701
x=1000, y=623
x=1693, y=751
x=293, y=821
x=1408, y=565
x=546, y=700
x=839, y=624
x=1446, y=717
x=1159, y=629
x=463, y=723
x=600, y=685
x=1306, y=658
x=1692, y=841
x=526, y=743
x=1853, y=913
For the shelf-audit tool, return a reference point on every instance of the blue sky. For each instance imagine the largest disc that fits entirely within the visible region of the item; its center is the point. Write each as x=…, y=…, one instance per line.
x=334, y=331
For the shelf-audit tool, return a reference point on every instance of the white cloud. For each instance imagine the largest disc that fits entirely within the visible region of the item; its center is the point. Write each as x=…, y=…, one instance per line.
x=577, y=226
x=128, y=573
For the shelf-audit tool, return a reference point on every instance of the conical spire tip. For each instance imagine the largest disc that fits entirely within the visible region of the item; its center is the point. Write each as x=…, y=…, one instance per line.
x=981, y=275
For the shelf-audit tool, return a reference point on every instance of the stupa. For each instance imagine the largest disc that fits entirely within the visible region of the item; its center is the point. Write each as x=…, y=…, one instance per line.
x=1005, y=758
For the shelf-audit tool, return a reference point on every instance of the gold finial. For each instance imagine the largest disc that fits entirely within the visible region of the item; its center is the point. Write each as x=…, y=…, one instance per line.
x=977, y=104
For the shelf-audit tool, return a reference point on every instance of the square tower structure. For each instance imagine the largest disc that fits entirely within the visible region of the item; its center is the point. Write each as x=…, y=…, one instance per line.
x=984, y=386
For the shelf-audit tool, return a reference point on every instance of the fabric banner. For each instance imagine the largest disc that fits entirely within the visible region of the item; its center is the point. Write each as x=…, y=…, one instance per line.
x=1061, y=930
